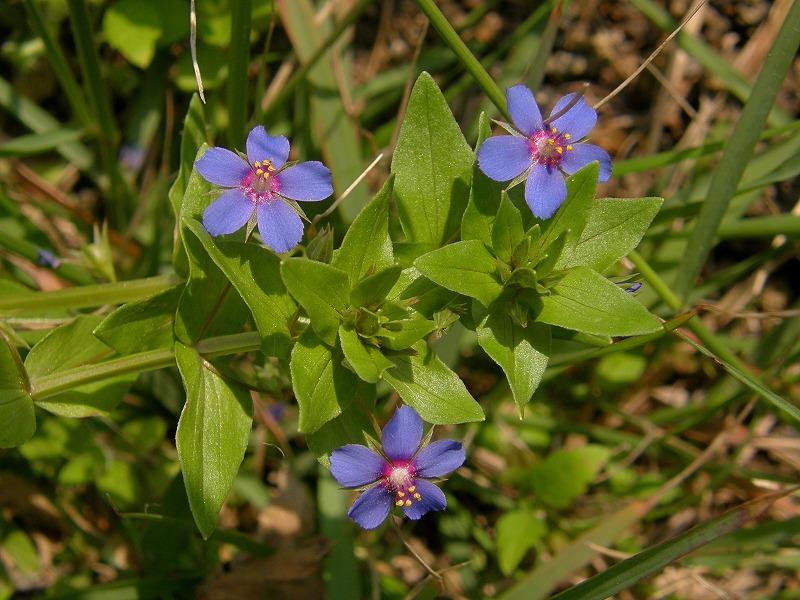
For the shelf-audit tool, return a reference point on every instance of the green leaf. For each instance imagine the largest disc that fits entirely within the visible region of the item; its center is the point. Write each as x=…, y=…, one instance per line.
x=432, y=164
x=507, y=229
x=427, y=385
x=464, y=267
x=522, y=353
x=586, y=301
x=67, y=347
x=322, y=290
x=372, y=290
x=366, y=246
x=17, y=416
x=212, y=435
x=367, y=361
x=322, y=385
x=142, y=324
x=484, y=196
x=615, y=227
x=566, y=474
x=133, y=27
x=255, y=273
x=347, y=428
x=574, y=213
x=517, y=532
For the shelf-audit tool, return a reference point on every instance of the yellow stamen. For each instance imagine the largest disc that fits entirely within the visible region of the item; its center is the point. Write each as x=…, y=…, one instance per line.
x=569, y=148
x=551, y=142
x=408, y=502
x=560, y=150
x=259, y=172
x=257, y=164
x=417, y=497
x=555, y=129
x=399, y=503
x=412, y=489
x=567, y=136
x=400, y=494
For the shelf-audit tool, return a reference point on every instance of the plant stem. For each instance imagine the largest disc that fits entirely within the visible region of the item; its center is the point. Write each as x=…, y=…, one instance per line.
x=241, y=14
x=88, y=295
x=467, y=58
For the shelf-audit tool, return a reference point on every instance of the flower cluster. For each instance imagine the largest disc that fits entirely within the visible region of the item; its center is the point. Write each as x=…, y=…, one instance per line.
x=399, y=477
x=541, y=149
x=262, y=184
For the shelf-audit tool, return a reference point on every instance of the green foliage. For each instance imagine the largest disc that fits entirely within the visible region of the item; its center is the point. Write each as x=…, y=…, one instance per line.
x=566, y=474
x=18, y=421
x=517, y=532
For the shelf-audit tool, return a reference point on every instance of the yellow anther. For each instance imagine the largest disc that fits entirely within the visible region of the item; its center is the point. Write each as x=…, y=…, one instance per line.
x=551, y=142
x=399, y=503
x=567, y=136
x=257, y=164
x=555, y=129
x=569, y=148
x=412, y=489
x=560, y=150
x=259, y=172
x=408, y=502
x=417, y=497
x=400, y=494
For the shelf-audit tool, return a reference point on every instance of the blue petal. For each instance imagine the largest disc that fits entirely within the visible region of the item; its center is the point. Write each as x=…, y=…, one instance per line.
x=523, y=109
x=545, y=191
x=261, y=146
x=504, y=157
x=372, y=507
x=578, y=121
x=354, y=465
x=308, y=181
x=582, y=154
x=222, y=167
x=279, y=225
x=402, y=434
x=228, y=213
x=439, y=458
x=432, y=499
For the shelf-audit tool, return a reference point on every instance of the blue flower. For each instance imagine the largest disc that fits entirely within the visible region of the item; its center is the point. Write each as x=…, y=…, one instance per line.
x=543, y=149
x=264, y=185
x=400, y=476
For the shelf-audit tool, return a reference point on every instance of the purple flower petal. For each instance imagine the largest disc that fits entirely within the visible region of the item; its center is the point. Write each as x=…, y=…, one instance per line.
x=279, y=225
x=439, y=458
x=228, y=213
x=432, y=499
x=582, y=154
x=523, y=109
x=222, y=167
x=504, y=157
x=545, y=191
x=262, y=146
x=402, y=434
x=308, y=181
x=372, y=507
x=354, y=465
x=578, y=121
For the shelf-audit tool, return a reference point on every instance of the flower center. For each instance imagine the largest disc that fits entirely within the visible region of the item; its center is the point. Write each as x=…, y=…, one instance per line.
x=261, y=182
x=400, y=480
x=548, y=146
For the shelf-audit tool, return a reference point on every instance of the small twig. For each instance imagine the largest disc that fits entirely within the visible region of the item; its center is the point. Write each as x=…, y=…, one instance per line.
x=652, y=57
x=346, y=193
x=675, y=94
x=193, y=47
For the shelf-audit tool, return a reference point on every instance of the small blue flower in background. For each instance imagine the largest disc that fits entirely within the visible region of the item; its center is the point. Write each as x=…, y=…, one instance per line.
x=543, y=148
x=45, y=258
x=399, y=477
x=262, y=185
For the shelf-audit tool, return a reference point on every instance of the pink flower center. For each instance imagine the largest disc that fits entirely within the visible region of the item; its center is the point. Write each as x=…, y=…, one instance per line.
x=261, y=183
x=548, y=146
x=399, y=479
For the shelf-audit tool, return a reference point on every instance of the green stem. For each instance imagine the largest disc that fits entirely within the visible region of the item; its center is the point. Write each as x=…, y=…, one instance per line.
x=758, y=227
x=739, y=149
x=241, y=14
x=467, y=58
x=88, y=295
x=50, y=385
x=31, y=252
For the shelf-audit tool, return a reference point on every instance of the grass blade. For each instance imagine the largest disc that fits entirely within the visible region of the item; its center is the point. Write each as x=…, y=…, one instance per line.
x=241, y=16
x=739, y=149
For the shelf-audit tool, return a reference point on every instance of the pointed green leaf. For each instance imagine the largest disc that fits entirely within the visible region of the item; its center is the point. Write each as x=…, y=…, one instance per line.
x=522, y=353
x=142, y=324
x=484, y=196
x=464, y=267
x=432, y=166
x=517, y=532
x=507, y=229
x=366, y=246
x=255, y=273
x=566, y=474
x=615, y=227
x=17, y=417
x=427, y=385
x=212, y=435
x=367, y=361
x=586, y=301
x=574, y=213
x=322, y=290
x=372, y=290
x=322, y=385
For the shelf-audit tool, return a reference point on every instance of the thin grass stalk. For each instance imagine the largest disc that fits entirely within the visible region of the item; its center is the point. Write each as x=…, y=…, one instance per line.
x=241, y=17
